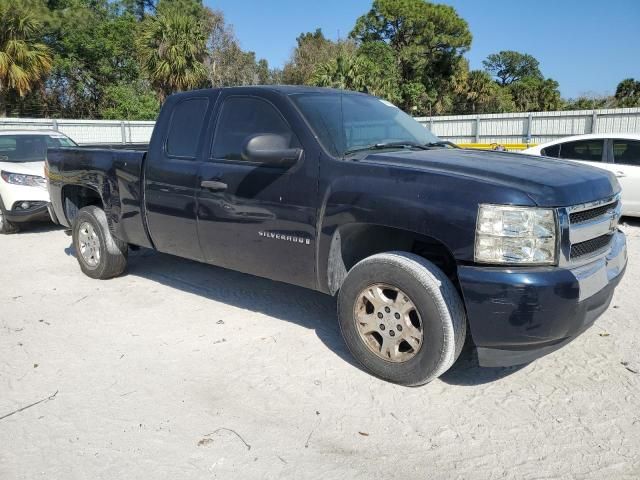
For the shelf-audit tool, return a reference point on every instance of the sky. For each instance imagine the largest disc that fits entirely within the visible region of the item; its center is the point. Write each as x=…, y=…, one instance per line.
x=588, y=46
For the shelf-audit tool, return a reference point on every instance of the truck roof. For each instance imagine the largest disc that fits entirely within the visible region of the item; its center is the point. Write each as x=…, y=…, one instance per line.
x=284, y=89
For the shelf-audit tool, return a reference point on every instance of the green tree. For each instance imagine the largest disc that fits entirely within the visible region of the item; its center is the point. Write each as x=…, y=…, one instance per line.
x=94, y=47
x=312, y=49
x=139, y=8
x=533, y=94
x=480, y=94
x=589, y=102
x=509, y=66
x=130, y=101
x=228, y=64
x=428, y=41
x=628, y=93
x=24, y=59
x=370, y=69
x=173, y=48
x=382, y=77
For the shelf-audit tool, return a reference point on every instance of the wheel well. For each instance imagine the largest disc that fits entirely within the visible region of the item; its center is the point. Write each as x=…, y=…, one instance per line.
x=352, y=243
x=75, y=197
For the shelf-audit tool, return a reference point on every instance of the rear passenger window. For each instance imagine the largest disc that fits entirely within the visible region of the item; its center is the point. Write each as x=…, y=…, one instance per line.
x=243, y=117
x=626, y=152
x=552, y=151
x=588, y=150
x=185, y=127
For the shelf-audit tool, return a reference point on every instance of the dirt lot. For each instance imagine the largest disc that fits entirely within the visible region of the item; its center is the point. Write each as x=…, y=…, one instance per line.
x=181, y=370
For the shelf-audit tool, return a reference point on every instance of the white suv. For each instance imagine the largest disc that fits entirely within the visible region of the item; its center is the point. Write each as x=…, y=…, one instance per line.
x=617, y=152
x=23, y=189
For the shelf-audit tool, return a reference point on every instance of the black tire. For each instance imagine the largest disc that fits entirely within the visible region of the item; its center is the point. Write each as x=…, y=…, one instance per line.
x=436, y=300
x=6, y=227
x=112, y=259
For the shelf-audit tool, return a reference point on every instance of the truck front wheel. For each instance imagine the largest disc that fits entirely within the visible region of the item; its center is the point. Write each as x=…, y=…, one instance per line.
x=402, y=318
x=99, y=254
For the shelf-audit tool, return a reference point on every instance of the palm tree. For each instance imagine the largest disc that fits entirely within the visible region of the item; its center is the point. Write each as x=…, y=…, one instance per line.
x=24, y=62
x=628, y=93
x=480, y=89
x=173, y=47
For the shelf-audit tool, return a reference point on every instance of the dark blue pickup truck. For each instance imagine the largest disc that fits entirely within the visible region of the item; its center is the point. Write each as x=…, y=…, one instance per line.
x=424, y=244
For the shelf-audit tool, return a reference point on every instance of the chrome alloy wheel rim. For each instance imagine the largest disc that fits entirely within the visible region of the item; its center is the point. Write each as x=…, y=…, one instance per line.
x=89, y=245
x=388, y=322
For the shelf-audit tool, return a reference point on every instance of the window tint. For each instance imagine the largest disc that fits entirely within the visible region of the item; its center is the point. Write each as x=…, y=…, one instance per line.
x=551, y=151
x=589, y=150
x=186, y=124
x=626, y=152
x=242, y=117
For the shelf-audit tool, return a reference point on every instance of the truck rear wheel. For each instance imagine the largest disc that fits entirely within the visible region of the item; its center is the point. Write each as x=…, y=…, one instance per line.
x=99, y=254
x=402, y=318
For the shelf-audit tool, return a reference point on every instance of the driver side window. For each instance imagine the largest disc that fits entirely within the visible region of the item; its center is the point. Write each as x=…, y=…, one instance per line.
x=244, y=117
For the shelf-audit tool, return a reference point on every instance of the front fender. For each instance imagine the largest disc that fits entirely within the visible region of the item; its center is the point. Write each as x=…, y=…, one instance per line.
x=437, y=205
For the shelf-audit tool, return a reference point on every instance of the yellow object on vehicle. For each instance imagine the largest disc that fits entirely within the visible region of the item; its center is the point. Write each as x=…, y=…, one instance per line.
x=497, y=146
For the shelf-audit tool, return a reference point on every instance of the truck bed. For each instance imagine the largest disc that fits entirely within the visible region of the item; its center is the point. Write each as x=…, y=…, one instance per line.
x=114, y=175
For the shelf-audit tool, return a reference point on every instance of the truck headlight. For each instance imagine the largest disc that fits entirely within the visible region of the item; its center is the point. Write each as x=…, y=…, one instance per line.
x=21, y=179
x=516, y=235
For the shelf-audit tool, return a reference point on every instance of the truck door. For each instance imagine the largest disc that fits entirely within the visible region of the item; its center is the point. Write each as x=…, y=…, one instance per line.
x=171, y=175
x=257, y=218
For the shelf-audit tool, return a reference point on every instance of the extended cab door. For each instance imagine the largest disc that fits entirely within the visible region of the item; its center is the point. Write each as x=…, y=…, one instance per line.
x=626, y=166
x=254, y=217
x=171, y=173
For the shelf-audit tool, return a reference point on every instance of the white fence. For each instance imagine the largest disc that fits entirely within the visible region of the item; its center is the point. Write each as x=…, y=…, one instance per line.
x=87, y=131
x=505, y=128
x=533, y=127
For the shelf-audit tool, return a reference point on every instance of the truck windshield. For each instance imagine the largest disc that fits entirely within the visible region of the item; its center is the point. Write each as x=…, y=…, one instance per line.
x=348, y=123
x=30, y=148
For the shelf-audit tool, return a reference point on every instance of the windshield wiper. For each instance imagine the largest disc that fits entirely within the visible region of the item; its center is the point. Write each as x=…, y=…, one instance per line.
x=443, y=143
x=382, y=146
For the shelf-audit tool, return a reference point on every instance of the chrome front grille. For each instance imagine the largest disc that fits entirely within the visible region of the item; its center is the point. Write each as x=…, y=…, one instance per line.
x=589, y=247
x=586, y=215
x=590, y=228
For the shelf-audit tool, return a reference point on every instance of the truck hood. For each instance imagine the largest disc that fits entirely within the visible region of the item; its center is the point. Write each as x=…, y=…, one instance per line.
x=25, y=168
x=548, y=182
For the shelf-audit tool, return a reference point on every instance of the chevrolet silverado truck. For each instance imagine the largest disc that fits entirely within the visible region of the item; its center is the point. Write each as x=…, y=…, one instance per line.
x=422, y=243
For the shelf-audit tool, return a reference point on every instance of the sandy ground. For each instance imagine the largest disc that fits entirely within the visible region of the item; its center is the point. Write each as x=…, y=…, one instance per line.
x=181, y=370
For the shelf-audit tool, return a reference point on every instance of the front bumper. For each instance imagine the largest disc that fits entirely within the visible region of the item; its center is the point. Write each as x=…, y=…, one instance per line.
x=40, y=213
x=517, y=315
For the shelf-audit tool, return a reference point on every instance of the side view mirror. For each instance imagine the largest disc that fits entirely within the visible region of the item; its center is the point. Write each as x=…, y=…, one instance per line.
x=270, y=149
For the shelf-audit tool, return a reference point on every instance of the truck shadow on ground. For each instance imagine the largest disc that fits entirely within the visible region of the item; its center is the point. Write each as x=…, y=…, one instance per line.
x=38, y=227
x=298, y=305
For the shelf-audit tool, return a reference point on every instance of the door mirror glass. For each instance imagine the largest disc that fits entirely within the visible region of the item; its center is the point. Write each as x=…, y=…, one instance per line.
x=271, y=149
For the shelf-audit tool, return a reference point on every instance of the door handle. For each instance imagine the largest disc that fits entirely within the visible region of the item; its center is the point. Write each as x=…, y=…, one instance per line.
x=620, y=174
x=214, y=185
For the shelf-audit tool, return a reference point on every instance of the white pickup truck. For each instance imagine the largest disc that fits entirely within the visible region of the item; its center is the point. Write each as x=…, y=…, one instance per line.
x=23, y=189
